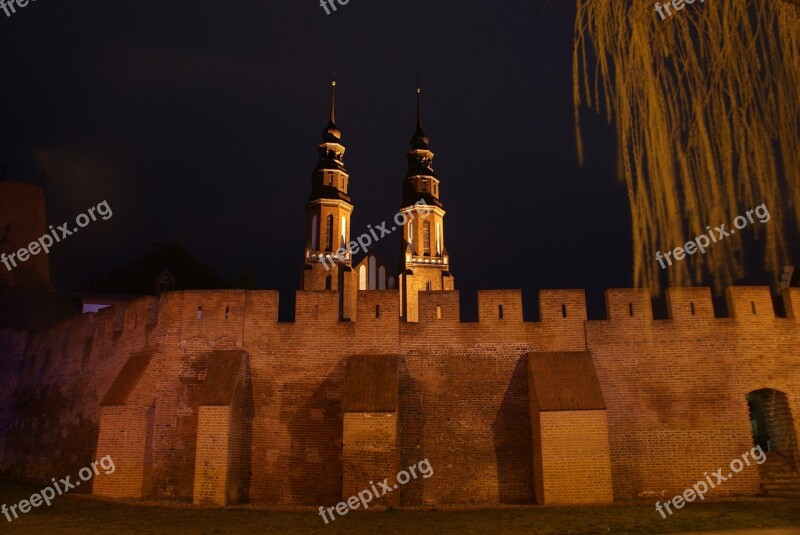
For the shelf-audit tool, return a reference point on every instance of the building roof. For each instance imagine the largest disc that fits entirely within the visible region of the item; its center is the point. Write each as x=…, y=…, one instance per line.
x=167, y=262
x=29, y=304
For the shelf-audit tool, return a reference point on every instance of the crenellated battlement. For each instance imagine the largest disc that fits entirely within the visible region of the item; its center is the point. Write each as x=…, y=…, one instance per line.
x=196, y=311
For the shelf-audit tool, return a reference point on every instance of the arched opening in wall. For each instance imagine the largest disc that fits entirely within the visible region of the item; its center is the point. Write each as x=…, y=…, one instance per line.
x=774, y=433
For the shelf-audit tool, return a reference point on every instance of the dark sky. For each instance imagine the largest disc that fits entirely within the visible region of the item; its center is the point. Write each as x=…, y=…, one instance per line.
x=198, y=122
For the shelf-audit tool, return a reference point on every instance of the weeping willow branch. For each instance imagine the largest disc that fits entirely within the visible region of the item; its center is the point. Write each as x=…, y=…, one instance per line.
x=706, y=108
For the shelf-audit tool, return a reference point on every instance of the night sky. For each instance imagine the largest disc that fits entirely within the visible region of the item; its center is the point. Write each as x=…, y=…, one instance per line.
x=198, y=122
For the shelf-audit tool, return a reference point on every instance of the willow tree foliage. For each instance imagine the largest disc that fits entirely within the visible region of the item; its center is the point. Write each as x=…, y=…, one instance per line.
x=706, y=109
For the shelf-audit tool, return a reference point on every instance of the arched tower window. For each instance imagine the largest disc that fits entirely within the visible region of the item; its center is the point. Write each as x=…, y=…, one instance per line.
x=328, y=282
x=382, y=278
x=438, y=240
x=362, y=278
x=329, y=233
x=314, y=233
x=372, y=274
x=411, y=236
x=426, y=238
x=344, y=232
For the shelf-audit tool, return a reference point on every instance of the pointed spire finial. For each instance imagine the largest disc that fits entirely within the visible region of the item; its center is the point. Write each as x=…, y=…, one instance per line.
x=332, y=134
x=419, y=140
x=333, y=98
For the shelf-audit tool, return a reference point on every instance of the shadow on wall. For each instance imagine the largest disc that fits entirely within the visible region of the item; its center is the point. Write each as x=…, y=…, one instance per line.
x=513, y=442
x=246, y=414
x=41, y=444
x=411, y=432
x=316, y=430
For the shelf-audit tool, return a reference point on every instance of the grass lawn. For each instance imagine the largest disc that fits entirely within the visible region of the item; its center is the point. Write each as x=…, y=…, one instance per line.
x=78, y=514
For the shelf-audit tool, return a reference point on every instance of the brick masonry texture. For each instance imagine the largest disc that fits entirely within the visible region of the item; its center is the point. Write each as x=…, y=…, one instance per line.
x=675, y=391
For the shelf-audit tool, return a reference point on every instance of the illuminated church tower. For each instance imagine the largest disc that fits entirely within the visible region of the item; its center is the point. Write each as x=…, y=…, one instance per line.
x=424, y=264
x=328, y=214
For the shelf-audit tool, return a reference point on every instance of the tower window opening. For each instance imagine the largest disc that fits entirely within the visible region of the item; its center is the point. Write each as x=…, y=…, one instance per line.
x=428, y=286
x=199, y=313
x=563, y=311
x=500, y=311
x=316, y=311
x=691, y=305
x=753, y=306
x=424, y=184
x=630, y=309
x=330, y=179
x=328, y=282
x=426, y=238
x=329, y=233
x=314, y=230
x=227, y=313
x=377, y=311
x=438, y=312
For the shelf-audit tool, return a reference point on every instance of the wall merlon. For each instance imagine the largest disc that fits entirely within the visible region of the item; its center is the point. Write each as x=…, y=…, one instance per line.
x=316, y=307
x=562, y=305
x=440, y=306
x=500, y=306
x=694, y=303
x=378, y=306
x=750, y=303
x=629, y=304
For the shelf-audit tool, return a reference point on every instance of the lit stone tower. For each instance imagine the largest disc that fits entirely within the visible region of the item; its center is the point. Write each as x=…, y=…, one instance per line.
x=328, y=218
x=424, y=264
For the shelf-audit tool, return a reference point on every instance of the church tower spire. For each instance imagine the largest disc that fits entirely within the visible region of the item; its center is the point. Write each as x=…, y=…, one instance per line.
x=328, y=212
x=424, y=263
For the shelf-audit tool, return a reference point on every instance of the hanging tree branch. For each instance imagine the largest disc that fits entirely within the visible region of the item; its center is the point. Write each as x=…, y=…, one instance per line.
x=706, y=109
